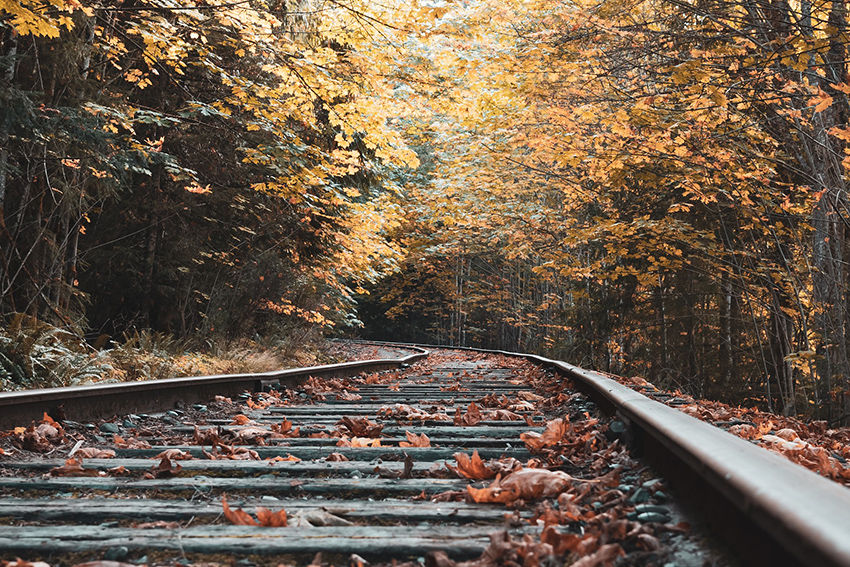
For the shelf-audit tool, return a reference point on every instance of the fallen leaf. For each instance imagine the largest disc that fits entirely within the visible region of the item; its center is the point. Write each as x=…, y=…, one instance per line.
x=472, y=467
x=472, y=416
x=237, y=517
x=252, y=435
x=174, y=455
x=414, y=440
x=73, y=467
x=131, y=443
x=157, y=524
x=523, y=484
x=163, y=469
x=552, y=435
x=602, y=557
x=93, y=453
x=242, y=419
x=265, y=517
x=336, y=457
x=360, y=427
x=358, y=442
x=270, y=519
x=288, y=457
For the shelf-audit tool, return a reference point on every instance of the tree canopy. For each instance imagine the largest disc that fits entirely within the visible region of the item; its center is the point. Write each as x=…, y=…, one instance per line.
x=641, y=186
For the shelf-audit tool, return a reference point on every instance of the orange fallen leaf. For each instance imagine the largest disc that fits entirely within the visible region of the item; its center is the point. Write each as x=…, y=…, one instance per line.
x=414, y=440
x=174, y=455
x=73, y=467
x=358, y=442
x=472, y=467
x=93, y=453
x=237, y=517
x=270, y=519
x=288, y=457
x=360, y=427
x=265, y=517
x=523, y=484
x=472, y=417
x=163, y=469
x=241, y=419
x=553, y=434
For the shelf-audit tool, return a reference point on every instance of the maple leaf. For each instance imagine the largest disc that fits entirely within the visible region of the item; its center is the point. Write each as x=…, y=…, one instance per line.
x=265, y=517
x=163, y=469
x=523, y=484
x=242, y=419
x=472, y=416
x=73, y=467
x=174, y=455
x=414, y=440
x=552, y=435
x=471, y=467
x=93, y=453
x=360, y=427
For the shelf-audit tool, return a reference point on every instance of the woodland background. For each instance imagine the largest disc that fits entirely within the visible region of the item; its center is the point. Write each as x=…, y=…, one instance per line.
x=653, y=187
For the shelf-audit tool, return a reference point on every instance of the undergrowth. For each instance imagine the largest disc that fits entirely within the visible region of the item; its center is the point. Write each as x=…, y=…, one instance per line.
x=35, y=354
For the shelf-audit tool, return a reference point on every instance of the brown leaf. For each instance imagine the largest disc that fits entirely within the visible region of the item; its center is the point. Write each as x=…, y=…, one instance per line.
x=554, y=432
x=358, y=442
x=158, y=524
x=163, y=469
x=252, y=435
x=174, y=455
x=336, y=457
x=523, y=484
x=265, y=517
x=205, y=437
x=131, y=443
x=93, y=453
x=360, y=427
x=288, y=458
x=603, y=557
x=472, y=467
x=73, y=467
x=270, y=519
x=242, y=419
x=284, y=429
x=472, y=417
x=414, y=440
x=101, y=563
x=237, y=517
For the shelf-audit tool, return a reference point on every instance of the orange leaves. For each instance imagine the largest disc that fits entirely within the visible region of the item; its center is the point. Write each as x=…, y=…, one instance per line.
x=73, y=467
x=174, y=455
x=525, y=484
x=265, y=517
x=414, y=440
x=360, y=427
x=92, y=453
x=821, y=101
x=358, y=442
x=242, y=419
x=284, y=429
x=472, y=467
x=163, y=470
x=554, y=432
x=472, y=416
x=131, y=443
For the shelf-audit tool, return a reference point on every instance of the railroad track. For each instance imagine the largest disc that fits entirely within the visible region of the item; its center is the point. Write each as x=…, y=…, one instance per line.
x=297, y=449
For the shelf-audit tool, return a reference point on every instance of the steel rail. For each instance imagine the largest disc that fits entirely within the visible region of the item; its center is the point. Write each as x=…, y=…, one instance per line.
x=805, y=516
x=82, y=403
